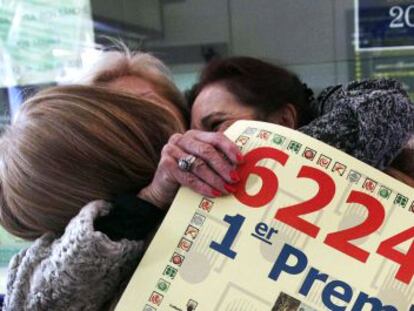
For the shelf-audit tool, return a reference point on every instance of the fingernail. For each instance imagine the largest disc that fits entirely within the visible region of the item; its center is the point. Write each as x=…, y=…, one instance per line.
x=230, y=188
x=216, y=193
x=239, y=157
x=234, y=176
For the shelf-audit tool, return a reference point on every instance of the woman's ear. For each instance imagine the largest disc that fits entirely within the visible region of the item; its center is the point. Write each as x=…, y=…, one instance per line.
x=286, y=116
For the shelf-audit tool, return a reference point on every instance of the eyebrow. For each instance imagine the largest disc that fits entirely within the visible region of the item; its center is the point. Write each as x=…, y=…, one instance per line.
x=205, y=121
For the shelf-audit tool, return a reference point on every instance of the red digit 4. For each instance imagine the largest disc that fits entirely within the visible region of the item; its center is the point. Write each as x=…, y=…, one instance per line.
x=270, y=183
x=376, y=214
x=290, y=215
x=406, y=261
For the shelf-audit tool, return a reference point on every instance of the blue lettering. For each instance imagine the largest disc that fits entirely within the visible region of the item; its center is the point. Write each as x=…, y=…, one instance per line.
x=376, y=304
x=330, y=291
x=261, y=229
x=312, y=276
x=281, y=263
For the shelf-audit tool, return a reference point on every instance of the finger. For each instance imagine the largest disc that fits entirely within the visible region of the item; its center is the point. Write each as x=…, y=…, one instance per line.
x=210, y=156
x=175, y=138
x=198, y=185
x=201, y=169
x=222, y=143
x=188, y=179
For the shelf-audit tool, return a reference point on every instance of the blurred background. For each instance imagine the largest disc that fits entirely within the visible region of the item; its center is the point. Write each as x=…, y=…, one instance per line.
x=326, y=42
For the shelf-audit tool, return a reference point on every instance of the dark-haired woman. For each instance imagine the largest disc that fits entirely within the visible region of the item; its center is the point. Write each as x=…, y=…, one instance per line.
x=370, y=120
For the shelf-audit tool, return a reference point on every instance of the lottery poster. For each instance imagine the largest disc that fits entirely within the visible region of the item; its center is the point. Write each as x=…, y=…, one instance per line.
x=310, y=228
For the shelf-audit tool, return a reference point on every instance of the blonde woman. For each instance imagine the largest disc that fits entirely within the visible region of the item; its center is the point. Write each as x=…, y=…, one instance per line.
x=71, y=146
x=68, y=147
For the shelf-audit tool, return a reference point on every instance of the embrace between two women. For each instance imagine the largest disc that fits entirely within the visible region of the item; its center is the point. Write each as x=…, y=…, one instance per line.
x=89, y=170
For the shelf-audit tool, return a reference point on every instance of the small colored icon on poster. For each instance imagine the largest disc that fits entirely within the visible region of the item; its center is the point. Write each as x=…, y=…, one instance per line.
x=191, y=305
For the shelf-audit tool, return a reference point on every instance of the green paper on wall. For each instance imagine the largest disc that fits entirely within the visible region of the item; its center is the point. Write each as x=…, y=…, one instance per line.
x=41, y=41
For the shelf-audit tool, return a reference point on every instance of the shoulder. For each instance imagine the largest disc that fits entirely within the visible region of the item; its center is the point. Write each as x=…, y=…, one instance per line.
x=54, y=270
x=356, y=91
x=360, y=87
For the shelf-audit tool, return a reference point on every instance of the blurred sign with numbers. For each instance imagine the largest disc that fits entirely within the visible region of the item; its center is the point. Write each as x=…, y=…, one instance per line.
x=384, y=25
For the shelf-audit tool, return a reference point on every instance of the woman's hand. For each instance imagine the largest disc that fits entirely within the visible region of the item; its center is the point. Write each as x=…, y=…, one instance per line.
x=212, y=174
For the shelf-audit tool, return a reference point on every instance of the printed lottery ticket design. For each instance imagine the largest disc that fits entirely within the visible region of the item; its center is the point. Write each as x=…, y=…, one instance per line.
x=310, y=228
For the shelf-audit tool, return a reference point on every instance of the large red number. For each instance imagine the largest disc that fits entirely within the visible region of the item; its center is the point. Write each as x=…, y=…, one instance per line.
x=290, y=215
x=340, y=240
x=386, y=248
x=270, y=182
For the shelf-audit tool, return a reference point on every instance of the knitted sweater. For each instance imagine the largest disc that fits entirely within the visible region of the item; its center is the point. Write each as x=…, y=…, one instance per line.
x=370, y=120
x=81, y=270
x=85, y=270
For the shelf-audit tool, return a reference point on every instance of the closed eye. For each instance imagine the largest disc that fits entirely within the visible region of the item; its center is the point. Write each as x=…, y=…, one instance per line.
x=215, y=126
x=213, y=121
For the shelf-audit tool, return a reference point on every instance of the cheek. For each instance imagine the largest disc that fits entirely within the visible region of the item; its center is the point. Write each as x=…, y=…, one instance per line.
x=223, y=127
x=193, y=124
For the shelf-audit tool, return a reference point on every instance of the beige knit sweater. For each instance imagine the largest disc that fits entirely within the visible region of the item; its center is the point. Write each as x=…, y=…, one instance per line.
x=81, y=270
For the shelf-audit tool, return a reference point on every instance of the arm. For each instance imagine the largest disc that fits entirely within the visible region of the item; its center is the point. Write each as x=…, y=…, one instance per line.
x=135, y=215
x=81, y=270
x=212, y=174
x=400, y=175
x=131, y=218
x=370, y=120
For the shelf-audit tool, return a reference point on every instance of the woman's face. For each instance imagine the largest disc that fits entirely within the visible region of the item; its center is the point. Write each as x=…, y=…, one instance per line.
x=215, y=109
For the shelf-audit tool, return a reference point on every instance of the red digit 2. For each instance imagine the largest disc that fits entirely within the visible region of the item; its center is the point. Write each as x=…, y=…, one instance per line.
x=290, y=215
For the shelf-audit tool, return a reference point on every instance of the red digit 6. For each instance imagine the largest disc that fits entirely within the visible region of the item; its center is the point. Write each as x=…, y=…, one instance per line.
x=270, y=183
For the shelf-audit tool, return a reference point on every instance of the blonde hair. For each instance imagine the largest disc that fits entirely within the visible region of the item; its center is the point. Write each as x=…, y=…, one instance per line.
x=71, y=145
x=112, y=65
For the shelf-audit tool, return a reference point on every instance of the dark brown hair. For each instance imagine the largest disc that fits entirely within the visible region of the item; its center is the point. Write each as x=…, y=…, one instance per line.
x=258, y=84
x=404, y=161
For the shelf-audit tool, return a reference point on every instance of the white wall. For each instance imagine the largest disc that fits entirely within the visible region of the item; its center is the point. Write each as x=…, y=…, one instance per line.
x=195, y=22
x=291, y=31
x=142, y=13
x=311, y=37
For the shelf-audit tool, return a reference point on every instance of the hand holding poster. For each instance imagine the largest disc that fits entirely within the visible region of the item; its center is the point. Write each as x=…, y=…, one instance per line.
x=310, y=228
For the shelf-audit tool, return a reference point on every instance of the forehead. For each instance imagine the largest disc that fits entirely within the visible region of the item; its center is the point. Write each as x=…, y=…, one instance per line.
x=215, y=100
x=215, y=97
x=136, y=86
x=132, y=84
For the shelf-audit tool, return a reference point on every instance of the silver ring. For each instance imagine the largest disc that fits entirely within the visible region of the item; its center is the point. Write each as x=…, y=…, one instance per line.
x=185, y=163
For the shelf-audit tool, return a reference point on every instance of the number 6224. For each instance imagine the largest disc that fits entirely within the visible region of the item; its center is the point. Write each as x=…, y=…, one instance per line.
x=291, y=215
